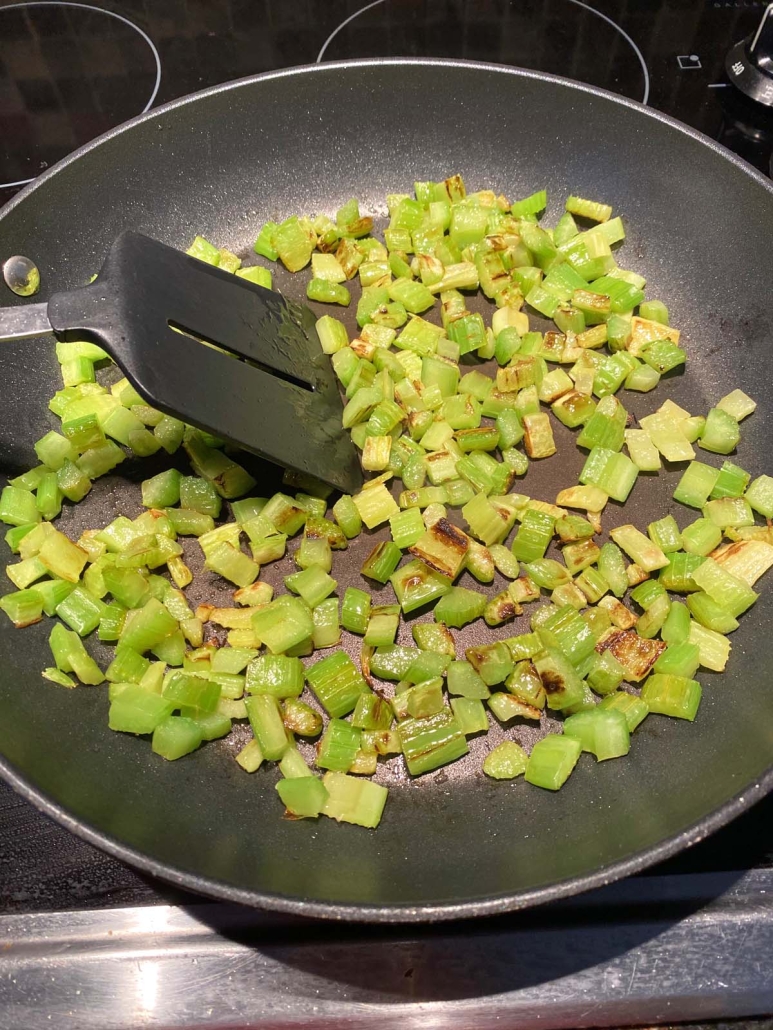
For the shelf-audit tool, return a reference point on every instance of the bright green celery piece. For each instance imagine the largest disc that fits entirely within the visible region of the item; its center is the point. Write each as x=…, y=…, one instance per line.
x=602, y=731
x=137, y=710
x=606, y=674
x=53, y=592
x=701, y=537
x=464, y=681
x=568, y=632
x=301, y=718
x=714, y=648
x=677, y=575
x=339, y=745
x=81, y=611
x=468, y=332
x=534, y=535
x=676, y=629
x=634, y=708
x=432, y=636
x=606, y=426
x=248, y=508
x=128, y=587
x=60, y=678
x=16, y=534
x=199, y=495
x=353, y=800
x=18, y=507
x=382, y=626
x=639, y=548
x=506, y=761
x=407, y=527
x=611, y=471
x=24, y=573
x=506, y=706
x=552, y=760
x=643, y=378
x=188, y=522
x=71, y=656
x=148, y=627
x=649, y=592
x=312, y=584
x=759, y=494
x=327, y=627
x=275, y=674
x=431, y=742
x=416, y=584
x=664, y=533
x=283, y=624
x=470, y=714
x=525, y=684
x=721, y=433
x=73, y=483
x=524, y=646
x=266, y=721
x=372, y=713
x=393, y=662
x=731, y=482
x=304, y=797
x=709, y=613
x=375, y=505
x=163, y=490
x=176, y=736
x=346, y=515
x=573, y=409
x=696, y=485
x=23, y=607
x=232, y=659
x=547, y=573
x=382, y=561
x=189, y=691
x=53, y=449
x=493, y=662
x=355, y=611
x=460, y=606
x=420, y=701
x=426, y=665
x=679, y=660
x=561, y=682
x=729, y=511
x=127, y=666
x=48, y=498
x=490, y=522
x=592, y=584
x=337, y=683
x=663, y=356
x=729, y=591
x=676, y=696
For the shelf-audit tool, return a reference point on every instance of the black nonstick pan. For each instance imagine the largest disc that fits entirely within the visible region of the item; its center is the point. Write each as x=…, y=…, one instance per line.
x=451, y=844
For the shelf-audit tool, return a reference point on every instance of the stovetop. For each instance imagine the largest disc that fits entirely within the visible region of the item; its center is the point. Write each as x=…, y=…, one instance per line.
x=70, y=71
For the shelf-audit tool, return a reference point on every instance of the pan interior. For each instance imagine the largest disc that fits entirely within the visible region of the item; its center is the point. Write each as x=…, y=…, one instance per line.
x=699, y=228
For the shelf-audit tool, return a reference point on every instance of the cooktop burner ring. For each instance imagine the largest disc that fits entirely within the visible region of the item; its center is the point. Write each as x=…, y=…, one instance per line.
x=98, y=10
x=578, y=3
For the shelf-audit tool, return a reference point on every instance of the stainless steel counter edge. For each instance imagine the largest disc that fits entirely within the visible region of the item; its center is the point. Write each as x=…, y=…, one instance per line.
x=644, y=951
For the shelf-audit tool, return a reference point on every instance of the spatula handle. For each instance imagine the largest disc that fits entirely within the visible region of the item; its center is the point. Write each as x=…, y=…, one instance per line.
x=24, y=322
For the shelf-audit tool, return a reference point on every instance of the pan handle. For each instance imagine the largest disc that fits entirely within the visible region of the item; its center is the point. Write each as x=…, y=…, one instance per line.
x=24, y=322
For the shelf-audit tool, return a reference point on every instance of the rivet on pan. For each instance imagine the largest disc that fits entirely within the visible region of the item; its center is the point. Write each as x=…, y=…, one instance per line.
x=21, y=275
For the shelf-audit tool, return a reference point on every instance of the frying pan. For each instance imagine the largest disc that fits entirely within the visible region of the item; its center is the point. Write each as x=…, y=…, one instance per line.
x=451, y=844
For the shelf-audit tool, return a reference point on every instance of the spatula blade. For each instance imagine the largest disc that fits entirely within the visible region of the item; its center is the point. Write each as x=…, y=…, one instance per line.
x=270, y=389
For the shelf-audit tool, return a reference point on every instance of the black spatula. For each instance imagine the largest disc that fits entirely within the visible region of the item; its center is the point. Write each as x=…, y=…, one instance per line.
x=264, y=385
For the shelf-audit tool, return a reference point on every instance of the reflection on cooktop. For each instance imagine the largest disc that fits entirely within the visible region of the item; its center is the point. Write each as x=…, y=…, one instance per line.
x=68, y=72
x=562, y=37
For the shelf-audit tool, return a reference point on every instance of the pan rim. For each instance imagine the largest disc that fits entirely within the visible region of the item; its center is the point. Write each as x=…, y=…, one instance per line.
x=392, y=913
